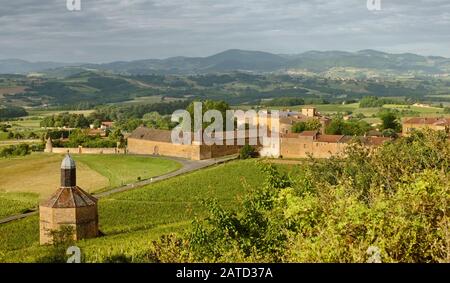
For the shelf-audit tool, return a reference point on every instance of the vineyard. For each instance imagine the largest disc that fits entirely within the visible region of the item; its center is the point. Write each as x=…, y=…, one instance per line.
x=131, y=220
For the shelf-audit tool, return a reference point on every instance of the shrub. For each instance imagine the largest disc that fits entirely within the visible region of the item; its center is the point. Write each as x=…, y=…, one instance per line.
x=247, y=151
x=15, y=150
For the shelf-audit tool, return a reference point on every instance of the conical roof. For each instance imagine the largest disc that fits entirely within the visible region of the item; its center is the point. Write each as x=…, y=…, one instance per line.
x=68, y=162
x=70, y=197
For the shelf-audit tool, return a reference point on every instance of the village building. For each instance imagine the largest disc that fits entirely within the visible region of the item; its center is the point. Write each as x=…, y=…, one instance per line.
x=420, y=123
x=283, y=142
x=69, y=206
x=289, y=118
x=145, y=140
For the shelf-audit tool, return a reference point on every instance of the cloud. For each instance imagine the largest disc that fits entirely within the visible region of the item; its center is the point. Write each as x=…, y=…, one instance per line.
x=108, y=30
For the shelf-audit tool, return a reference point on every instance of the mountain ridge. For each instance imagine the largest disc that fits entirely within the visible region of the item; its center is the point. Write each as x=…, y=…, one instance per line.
x=251, y=61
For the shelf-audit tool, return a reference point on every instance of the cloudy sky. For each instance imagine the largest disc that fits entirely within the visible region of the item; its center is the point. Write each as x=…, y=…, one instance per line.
x=110, y=30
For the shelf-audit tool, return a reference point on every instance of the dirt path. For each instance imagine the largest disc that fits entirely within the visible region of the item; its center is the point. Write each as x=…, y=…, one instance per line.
x=188, y=166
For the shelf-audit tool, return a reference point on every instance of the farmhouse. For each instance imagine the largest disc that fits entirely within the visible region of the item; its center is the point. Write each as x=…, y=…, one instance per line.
x=69, y=206
x=159, y=142
x=419, y=123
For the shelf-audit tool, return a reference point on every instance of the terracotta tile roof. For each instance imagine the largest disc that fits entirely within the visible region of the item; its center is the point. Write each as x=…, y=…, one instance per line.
x=144, y=133
x=290, y=135
x=330, y=138
x=308, y=133
x=70, y=197
x=428, y=121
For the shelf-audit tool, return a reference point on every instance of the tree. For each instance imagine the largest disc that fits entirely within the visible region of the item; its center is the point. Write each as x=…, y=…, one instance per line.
x=298, y=127
x=221, y=106
x=389, y=121
x=308, y=125
x=12, y=112
x=336, y=127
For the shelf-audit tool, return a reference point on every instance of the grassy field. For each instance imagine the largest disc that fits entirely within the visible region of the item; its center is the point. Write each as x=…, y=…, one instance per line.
x=131, y=220
x=39, y=174
x=121, y=170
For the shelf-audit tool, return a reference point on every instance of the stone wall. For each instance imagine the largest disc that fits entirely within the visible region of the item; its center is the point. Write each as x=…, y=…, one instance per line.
x=84, y=221
x=86, y=150
x=137, y=146
x=193, y=152
x=302, y=147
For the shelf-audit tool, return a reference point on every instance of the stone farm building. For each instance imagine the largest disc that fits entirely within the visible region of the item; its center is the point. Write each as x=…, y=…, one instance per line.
x=159, y=142
x=69, y=206
x=419, y=123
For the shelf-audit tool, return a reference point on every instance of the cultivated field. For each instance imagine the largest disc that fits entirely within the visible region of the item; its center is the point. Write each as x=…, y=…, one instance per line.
x=131, y=220
x=39, y=175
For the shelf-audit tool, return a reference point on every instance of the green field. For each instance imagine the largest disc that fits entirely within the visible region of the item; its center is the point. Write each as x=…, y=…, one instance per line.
x=121, y=169
x=38, y=175
x=13, y=203
x=131, y=220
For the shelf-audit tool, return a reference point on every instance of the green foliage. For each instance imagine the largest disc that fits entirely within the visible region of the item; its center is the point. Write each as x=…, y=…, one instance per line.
x=390, y=133
x=62, y=239
x=308, y=125
x=12, y=112
x=394, y=200
x=168, y=249
x=157, y=121
x=247, y=151
x=221, y=106
x=446, y=110
x=125, y=112
x=130, y=125
x=4, y=127
x=66, y=120
x=373, y=101
x=57, y=134
x=389, y=120
x=15, y=150
x=81, y=137
x=253, y=231
x=285, y=101
x=351, y=128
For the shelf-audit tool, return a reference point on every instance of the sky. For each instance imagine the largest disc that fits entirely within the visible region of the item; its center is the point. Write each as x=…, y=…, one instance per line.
x=123, y=30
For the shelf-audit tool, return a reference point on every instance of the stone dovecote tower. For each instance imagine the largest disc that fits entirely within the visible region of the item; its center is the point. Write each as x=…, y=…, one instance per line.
x=69, y=206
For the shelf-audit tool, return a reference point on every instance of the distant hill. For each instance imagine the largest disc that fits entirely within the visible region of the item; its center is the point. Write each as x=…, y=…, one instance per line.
x=364, y=62
x=17, y=66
